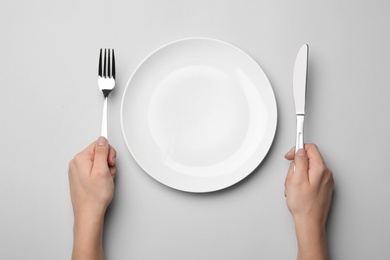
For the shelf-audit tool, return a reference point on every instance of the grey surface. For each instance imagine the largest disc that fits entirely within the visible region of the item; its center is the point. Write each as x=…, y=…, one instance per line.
x=51, y=108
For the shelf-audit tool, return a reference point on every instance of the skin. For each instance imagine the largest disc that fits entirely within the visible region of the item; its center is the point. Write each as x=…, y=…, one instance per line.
x=308, y=190
x=91, y=178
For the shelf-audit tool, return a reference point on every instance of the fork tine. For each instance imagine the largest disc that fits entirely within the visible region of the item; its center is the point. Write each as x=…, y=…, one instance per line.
x=113, y=64
x=108, y=64
x=100, y=70
x=105, y=64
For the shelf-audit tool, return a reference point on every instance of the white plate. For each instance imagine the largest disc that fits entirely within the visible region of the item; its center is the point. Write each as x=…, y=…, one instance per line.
x=198, y=115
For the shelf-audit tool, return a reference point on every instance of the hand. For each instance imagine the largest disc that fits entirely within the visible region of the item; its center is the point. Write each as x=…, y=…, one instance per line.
x=308, y=189
x=91, y=179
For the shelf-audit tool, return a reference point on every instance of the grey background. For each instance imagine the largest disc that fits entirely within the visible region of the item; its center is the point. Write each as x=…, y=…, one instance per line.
x=51, y=108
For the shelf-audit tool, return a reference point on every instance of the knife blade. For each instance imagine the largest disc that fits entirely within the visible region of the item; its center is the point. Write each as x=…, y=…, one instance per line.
x=299, y=91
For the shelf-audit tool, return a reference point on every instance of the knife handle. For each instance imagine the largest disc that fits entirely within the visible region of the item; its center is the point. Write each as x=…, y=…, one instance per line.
x=299, y=140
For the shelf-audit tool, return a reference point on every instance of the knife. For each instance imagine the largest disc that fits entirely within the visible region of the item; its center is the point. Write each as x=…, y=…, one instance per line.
x=299, y=91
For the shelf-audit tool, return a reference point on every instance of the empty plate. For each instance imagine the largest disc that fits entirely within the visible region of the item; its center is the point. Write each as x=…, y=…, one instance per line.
x=198, y=115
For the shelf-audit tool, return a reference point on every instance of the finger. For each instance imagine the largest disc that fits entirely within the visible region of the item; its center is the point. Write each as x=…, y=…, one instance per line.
x=313, y=153
x=301, y=162
x=290, y=154
x=89, y=151
x=100, y=162
x=81, y=164
x=317, y=167
x=290, y=173
x=113, y=171
x=111, y=156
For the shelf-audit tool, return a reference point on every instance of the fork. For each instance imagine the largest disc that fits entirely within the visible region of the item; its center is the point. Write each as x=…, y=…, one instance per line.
x=106, y=82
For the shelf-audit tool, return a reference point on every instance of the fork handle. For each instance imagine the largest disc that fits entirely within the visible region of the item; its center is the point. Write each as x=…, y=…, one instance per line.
x=104, y=119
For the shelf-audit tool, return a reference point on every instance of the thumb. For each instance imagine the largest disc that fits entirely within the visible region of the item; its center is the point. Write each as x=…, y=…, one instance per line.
x=100, y=161
x=301, y=164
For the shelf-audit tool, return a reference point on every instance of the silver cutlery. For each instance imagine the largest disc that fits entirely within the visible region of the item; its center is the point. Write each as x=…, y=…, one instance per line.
x=106, y=82
x=299, y=90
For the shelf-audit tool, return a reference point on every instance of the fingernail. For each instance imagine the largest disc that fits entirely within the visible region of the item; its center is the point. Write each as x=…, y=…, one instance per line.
x=301, y=152
x=101, y=141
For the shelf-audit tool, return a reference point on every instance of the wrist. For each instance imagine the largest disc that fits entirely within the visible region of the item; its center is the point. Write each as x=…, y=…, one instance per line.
x=311, y=237
x=89, y=211
x=88, y=237
x=308, y=220
x=86, y=220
